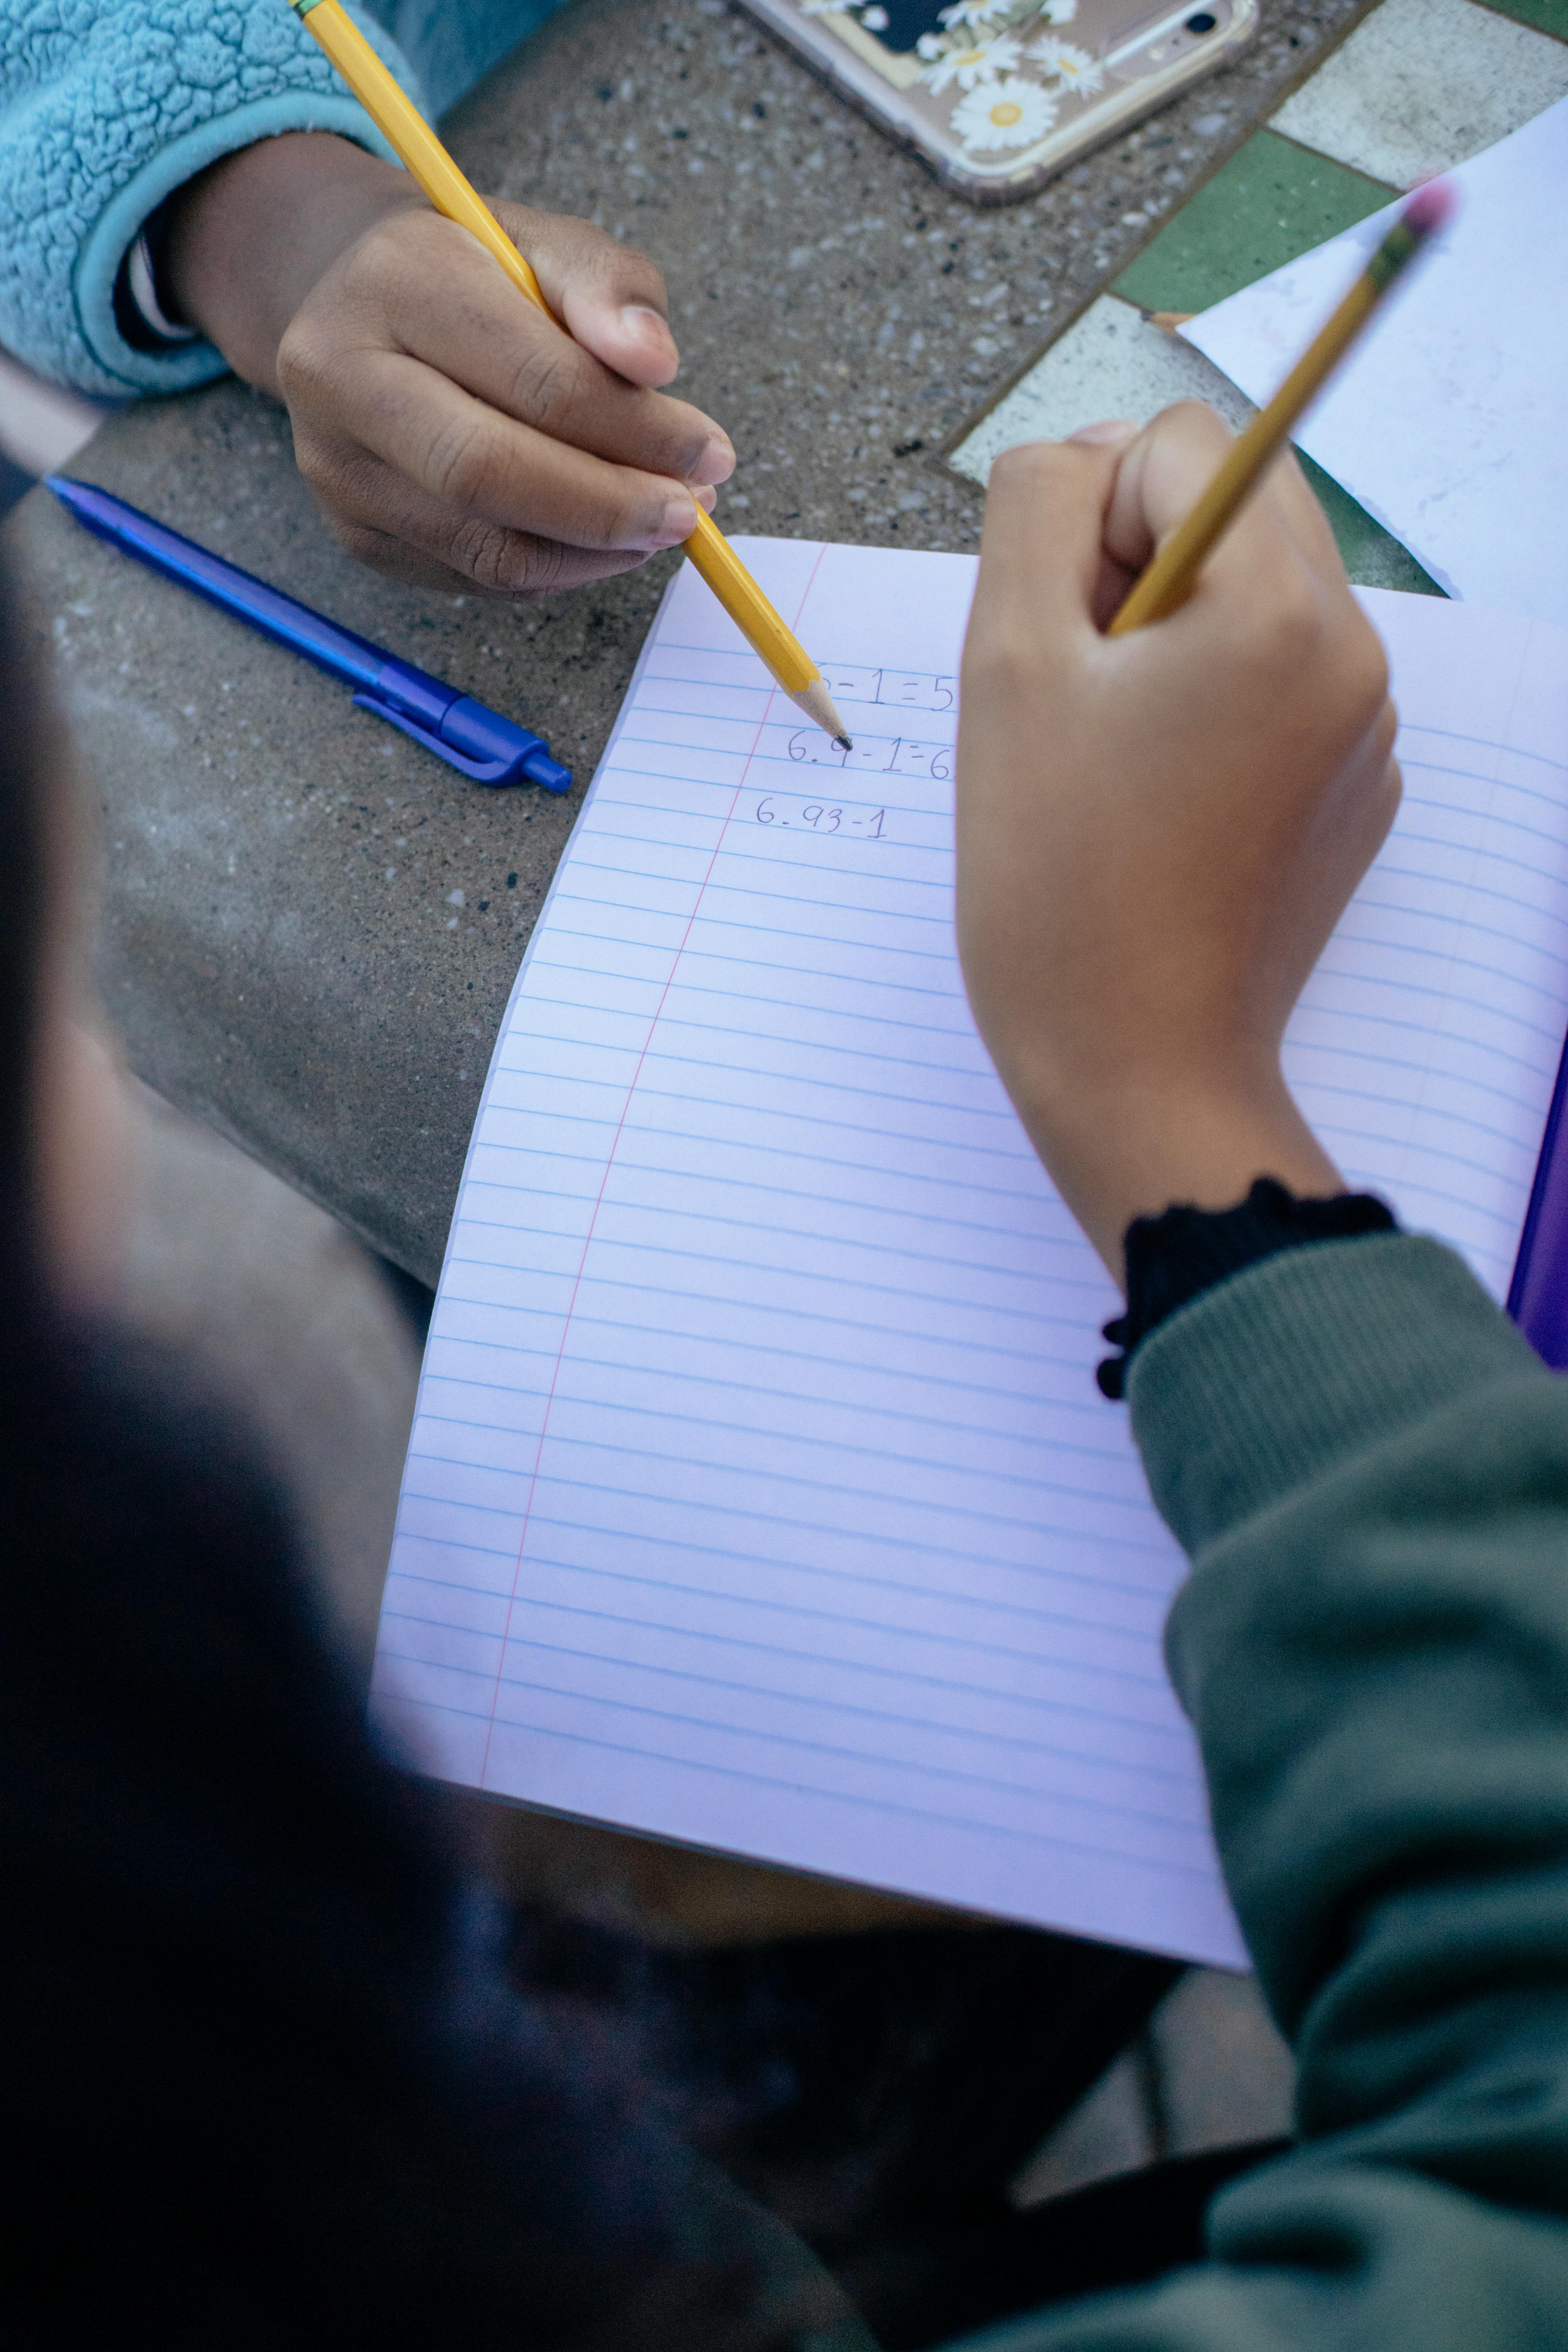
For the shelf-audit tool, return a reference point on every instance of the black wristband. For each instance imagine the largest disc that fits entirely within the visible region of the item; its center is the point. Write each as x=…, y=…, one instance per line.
x=1174, y=1258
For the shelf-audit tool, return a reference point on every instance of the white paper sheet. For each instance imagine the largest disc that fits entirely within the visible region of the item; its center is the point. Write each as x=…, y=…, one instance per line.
x=759, y=1493
x=1449, y=420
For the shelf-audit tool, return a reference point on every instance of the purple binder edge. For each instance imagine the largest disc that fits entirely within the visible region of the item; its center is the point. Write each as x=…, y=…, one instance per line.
x=1538, y=1295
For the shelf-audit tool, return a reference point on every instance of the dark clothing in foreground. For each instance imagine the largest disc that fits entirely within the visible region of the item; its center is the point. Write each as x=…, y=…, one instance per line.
x=264, y=2081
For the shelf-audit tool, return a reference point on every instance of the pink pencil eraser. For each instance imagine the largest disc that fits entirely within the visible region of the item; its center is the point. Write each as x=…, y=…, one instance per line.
x=1430, y=208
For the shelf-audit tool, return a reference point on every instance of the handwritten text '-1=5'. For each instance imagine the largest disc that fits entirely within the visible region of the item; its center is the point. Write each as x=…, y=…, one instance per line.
x=895, y=689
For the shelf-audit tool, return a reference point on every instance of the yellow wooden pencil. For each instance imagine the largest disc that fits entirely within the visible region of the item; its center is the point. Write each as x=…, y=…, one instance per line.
x=1168, y=580
x=411, y=139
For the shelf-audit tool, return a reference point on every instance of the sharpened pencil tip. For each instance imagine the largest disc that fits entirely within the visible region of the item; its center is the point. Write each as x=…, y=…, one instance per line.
x=817, y=705
x=844, y=743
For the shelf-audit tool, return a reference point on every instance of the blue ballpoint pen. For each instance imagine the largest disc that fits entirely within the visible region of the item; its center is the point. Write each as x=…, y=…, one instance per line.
x=479, y=742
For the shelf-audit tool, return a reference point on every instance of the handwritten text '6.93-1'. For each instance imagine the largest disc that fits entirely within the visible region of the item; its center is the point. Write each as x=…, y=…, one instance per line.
x=816, y=816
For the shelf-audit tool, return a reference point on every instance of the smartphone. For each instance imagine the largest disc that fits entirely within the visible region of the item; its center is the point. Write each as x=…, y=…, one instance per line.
x=997, y=96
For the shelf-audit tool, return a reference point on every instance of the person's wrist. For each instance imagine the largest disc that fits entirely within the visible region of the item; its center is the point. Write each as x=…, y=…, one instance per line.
x=247, y=239
x=1120, y=1149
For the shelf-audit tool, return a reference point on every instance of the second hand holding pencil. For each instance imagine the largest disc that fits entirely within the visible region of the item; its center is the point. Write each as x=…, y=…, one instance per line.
x=1168, y=580
x=417, y=146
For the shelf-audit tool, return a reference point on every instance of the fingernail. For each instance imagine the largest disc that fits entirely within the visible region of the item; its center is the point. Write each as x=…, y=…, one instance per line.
x=1113, y=428
x=645, y=326
x=680, y=522
x=716, y=464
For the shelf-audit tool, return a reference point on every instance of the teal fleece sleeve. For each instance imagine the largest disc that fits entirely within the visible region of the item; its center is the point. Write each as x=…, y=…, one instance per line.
x=108, y=106
x=1369, y=1469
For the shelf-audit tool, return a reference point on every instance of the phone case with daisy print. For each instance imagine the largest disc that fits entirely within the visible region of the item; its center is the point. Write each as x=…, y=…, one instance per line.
x=999, y=94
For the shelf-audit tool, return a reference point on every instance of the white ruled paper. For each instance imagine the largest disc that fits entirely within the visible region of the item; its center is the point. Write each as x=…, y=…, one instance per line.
x=1425, y=1045
x=760, y=1495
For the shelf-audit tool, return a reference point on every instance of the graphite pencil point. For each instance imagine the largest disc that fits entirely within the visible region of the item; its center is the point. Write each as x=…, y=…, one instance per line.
x=817, y=704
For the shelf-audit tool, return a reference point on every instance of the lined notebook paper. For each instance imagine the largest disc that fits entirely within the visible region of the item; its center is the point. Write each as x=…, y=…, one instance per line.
x=760, y=1495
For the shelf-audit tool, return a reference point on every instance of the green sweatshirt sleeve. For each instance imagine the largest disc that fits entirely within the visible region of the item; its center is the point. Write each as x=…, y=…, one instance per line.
x=1369, y=1470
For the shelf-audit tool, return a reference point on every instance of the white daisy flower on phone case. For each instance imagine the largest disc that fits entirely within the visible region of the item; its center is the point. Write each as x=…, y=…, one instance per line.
x=1059, y=12
x=1073, y=68
x=986, y=61
x=975, y=12
x=1013, y=114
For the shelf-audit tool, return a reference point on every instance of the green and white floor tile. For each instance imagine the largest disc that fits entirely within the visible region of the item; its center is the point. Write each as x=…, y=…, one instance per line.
x=1417, y=86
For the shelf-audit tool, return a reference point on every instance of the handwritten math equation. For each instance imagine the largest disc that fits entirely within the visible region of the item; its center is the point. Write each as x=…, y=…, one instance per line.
x=877, y=755
x=817, y=817
x=895, y=689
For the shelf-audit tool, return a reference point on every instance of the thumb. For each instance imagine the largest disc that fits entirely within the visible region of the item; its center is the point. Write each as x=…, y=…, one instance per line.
x=1162, y=475
x=610, y=297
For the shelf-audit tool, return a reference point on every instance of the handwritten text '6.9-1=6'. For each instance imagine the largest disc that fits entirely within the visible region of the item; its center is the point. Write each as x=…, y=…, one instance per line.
x=873, y=754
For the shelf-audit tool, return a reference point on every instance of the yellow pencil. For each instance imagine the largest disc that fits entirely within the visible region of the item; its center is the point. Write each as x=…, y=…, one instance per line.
x=1167, y=581
x=412, y=140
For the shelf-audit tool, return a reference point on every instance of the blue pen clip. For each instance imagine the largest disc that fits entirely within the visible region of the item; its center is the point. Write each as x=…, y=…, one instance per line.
x=478, y=742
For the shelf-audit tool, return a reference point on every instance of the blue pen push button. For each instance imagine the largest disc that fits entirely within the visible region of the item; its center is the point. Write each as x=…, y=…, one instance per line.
x=479, y=742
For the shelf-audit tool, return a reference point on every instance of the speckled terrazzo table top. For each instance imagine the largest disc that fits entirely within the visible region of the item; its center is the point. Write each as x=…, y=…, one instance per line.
x=283, y=944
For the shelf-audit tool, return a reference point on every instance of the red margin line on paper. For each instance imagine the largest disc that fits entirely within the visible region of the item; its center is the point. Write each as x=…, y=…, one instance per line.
x=604, y=1181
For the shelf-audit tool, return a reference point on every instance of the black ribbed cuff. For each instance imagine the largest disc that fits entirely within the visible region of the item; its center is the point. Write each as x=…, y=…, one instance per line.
x=1174, y=1258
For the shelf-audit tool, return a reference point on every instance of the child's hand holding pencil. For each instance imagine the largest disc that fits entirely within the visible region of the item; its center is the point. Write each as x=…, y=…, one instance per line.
x=1158, y=832
x=603, y=472
x=455, y=436
x=1174, y=764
